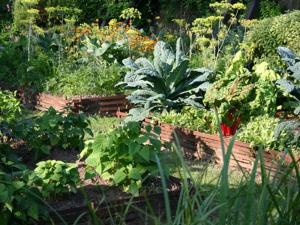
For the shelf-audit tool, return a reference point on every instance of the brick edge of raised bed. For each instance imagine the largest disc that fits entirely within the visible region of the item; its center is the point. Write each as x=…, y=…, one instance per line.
x=108, y=105
x=203, y=146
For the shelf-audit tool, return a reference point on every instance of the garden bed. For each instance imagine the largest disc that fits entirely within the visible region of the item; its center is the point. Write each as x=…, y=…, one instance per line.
x=110, y=204
x=202, y=146
x=105, y=201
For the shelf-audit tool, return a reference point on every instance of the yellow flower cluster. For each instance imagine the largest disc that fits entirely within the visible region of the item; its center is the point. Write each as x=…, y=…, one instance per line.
x=117, y=31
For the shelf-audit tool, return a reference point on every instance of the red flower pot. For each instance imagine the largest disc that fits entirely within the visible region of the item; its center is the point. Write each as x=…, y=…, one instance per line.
x=229, y=130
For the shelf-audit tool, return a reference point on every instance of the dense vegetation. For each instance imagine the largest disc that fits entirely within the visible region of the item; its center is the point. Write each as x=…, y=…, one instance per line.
x=196, y=64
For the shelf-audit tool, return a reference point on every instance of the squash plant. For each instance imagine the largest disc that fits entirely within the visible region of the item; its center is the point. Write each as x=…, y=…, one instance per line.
x=20, y=202
x=126, y=157
x=167, y=82
x=56, y=177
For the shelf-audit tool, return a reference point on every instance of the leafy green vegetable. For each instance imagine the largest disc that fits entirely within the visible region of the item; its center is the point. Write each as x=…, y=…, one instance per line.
x=55, y=177
x=260, y=132
x=291, y=84
x=190, y=117
x=19, y=201
x=243, y=93
x=166, y=82
x=125, y=156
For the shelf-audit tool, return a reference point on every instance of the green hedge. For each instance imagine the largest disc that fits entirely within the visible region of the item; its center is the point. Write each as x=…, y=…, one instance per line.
x=264, y=37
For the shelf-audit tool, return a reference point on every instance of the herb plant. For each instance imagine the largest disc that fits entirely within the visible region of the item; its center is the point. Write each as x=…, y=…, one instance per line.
x=56, y=177
x=126, y=157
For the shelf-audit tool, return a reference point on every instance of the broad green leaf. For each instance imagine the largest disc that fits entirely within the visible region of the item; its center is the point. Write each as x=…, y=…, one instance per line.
x=119, y=176
x=33, y=211
x=145, y=153
x=157, y=130
x=133, y=189
x=4, y=196
x=133, y=147
x=142, y=139
x=99, y=169
x=135, y=174
x=18, y=184
x=148, y=128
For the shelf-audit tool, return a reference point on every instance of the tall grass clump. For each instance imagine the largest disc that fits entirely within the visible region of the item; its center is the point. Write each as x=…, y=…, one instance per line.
x=260, y=197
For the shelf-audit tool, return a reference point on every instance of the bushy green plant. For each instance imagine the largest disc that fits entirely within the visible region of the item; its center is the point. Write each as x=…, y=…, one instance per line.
x=85, y=79
x=166, y=83
x=17, y=72
x=9, y=107
x=189, y=9
x=19, y=202
x=259, y=132
x=52, y=130
x=269, y=8
x=268, y=34
x=106, y=10
x=192, y=118
x=243, y=93
x=126, y=157
x=56, y=177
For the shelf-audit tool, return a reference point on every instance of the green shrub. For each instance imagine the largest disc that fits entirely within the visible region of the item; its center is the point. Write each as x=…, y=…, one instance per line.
x=17, y=72
x=191, y=118
x=73, y=80
x=101, y=9
x=268, y=34
x=56, y=177
x=243, y=93
x=126, y=157
x=269, y=8
x=52, y=130
x=259, y=132
x=9, y=107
